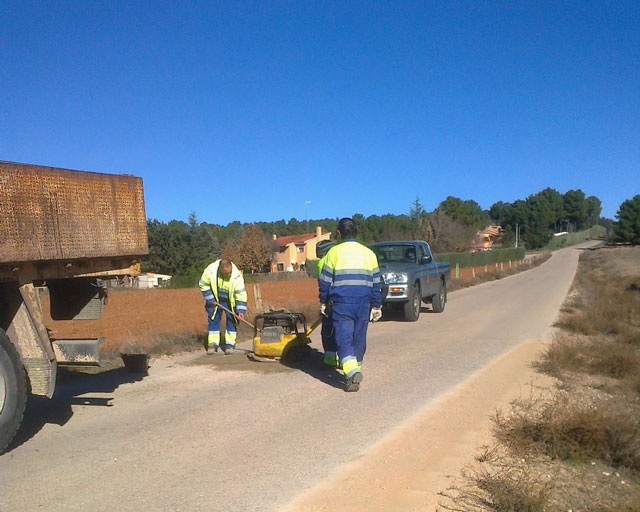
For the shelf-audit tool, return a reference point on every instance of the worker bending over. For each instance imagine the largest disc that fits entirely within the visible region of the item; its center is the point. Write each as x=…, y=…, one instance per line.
x=350, y=284
x=222, y=284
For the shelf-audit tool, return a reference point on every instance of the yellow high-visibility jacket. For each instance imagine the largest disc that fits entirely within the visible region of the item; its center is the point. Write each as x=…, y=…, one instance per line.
x=211, y=290
x=350, y=274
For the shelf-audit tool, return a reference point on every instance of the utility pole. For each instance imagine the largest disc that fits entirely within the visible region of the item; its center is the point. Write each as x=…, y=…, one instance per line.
x=306, y=216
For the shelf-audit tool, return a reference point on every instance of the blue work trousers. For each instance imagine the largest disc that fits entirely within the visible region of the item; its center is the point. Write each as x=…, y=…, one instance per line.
x=350, y=322
x=328, y=335
x=214, y=325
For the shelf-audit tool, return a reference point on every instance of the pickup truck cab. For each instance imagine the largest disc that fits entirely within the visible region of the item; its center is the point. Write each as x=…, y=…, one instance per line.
x=410, y=275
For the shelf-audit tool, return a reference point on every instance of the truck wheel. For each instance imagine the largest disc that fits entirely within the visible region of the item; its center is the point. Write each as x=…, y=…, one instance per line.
x=439, y=299
x=13, y=391
x=412, y=306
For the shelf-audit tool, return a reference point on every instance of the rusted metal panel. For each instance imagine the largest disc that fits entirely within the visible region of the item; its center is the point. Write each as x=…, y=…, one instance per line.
x=48, y=214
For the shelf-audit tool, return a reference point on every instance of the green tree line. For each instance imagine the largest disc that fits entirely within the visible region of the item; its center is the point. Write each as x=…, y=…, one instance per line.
x=540, y=215
x=186, y=248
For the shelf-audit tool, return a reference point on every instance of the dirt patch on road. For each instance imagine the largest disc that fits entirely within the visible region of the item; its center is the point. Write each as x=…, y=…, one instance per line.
x=239, y=362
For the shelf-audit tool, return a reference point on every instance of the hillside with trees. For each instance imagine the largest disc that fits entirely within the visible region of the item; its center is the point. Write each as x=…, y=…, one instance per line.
x=185, y=248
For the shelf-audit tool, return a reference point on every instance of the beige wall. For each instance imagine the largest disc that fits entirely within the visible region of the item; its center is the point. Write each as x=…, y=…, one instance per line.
x=284, y=257
x=291, y=252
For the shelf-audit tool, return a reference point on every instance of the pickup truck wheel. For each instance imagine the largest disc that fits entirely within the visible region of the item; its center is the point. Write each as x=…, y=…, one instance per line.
x=412, y=306
x=439, y=299
x=13, y=391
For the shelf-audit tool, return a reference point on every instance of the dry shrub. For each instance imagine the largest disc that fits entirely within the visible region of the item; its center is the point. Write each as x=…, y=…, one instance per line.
x=563, y=428
x=579, y=435
x=501, y=484
x=562, y=355
x=594, y=356
x=616, y=360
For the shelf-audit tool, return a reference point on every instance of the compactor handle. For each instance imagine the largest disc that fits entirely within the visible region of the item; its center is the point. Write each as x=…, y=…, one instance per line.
x=313, y=326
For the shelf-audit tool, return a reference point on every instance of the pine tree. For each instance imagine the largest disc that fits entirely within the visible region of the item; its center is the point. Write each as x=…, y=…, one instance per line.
x=627, y=228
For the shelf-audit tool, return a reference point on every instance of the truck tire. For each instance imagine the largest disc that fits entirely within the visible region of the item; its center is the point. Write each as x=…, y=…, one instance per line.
x=412, y=306
x=439, y=300
x=13, y=391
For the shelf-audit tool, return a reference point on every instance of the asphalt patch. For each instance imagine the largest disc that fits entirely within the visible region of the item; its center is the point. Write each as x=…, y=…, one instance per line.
x=238, y=362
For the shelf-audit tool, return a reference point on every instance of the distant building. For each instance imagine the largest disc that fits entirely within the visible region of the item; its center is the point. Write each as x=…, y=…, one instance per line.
x=291, y=252
x=151, y=280
x=487, y=238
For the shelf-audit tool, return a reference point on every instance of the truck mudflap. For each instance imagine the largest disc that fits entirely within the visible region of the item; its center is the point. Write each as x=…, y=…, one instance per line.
x=21, y=318
x=77, y=352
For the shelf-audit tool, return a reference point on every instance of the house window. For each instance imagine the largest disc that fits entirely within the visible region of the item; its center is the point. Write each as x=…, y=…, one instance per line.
x=280, y=267
x=301, y=249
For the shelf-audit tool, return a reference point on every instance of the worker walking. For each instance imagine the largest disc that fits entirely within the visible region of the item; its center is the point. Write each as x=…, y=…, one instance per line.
x=222, y=284
x=327, y=332
x=349, y=286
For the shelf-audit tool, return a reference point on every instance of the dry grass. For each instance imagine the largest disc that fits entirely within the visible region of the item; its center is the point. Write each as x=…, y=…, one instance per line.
x=499, y=484
x=605, y=299
x=593, y=355
x=587, y=433
x=574, y=430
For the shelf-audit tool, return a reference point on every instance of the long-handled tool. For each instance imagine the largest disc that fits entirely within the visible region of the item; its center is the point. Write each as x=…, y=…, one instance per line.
x=239, y=318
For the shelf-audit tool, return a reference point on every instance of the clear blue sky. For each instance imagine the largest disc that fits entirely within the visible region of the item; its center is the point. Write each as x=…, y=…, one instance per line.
x=245, y=110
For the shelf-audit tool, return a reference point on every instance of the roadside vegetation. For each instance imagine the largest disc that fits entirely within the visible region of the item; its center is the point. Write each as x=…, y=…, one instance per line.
x=576, y=447
x=493, y=275
x=183, y=249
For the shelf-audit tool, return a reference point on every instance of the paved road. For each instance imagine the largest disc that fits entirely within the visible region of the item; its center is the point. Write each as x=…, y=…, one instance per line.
x=217, y=433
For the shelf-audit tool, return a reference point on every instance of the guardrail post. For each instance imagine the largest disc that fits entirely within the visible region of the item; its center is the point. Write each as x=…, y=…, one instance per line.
x=457, y=271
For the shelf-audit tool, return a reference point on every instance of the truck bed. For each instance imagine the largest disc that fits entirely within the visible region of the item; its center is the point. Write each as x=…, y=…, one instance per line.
x=50, y=214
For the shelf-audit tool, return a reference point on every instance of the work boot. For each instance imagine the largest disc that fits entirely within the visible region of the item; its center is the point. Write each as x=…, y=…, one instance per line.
x=353, y=382
x=228, y=351
x=331, y=361
x=209, y=347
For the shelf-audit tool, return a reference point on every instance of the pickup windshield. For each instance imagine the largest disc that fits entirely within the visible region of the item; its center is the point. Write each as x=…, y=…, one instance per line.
x=395, y=253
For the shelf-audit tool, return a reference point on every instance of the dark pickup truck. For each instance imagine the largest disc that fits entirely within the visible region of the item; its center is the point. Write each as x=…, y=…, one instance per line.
x=410, y=275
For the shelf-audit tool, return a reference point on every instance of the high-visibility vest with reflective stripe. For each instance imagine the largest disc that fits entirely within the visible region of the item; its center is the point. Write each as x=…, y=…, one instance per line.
x=350, y=274
x=237, y=293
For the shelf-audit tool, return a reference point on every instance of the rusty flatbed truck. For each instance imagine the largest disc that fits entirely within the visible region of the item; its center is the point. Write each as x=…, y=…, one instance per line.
x=65, y=230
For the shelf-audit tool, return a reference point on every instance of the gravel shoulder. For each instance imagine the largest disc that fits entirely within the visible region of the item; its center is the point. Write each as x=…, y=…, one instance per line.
x=407, y=470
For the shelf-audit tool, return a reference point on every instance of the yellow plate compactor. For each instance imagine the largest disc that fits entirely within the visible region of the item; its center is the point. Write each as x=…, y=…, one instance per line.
x=280, y=335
